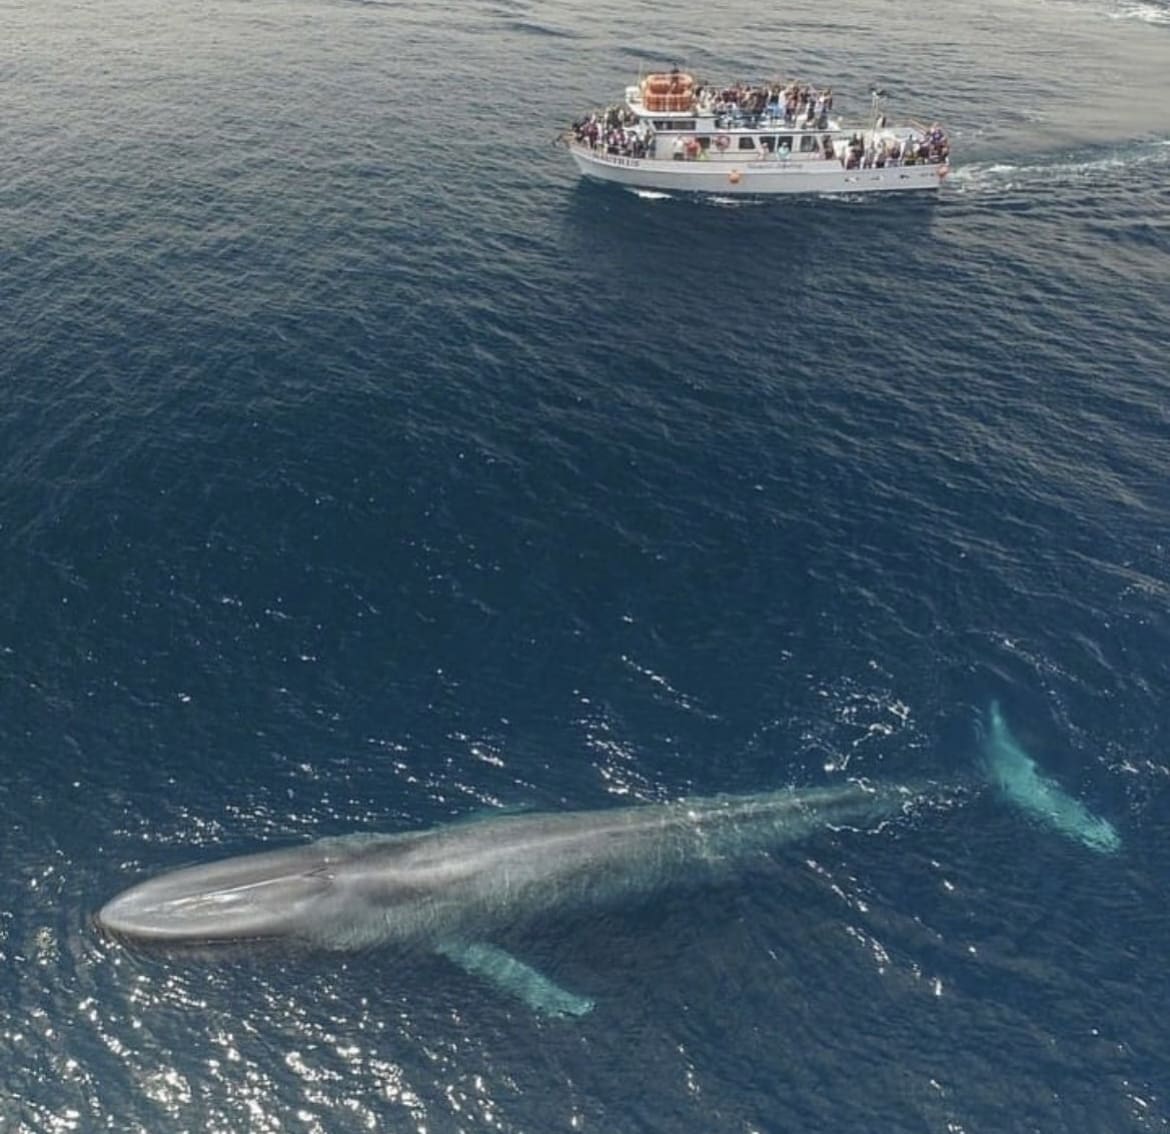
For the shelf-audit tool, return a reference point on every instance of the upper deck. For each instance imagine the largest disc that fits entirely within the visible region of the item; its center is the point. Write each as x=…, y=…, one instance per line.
x=674, y=102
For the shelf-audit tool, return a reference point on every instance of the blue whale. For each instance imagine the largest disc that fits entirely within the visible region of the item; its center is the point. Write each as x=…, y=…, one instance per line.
x=450, y=888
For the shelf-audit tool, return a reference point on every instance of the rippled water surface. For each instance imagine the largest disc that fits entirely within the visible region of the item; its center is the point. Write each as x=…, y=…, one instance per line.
x=364, y=471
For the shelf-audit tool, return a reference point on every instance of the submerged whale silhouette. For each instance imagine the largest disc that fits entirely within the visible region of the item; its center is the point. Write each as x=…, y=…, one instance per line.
x=1015, y=774
x=451, y=887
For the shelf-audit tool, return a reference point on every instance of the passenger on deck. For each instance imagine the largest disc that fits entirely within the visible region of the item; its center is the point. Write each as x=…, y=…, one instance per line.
x=623, y=140
x=855, y=152
x=936, y=140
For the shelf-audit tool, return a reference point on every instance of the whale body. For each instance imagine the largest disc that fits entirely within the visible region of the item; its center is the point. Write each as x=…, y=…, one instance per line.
x=451, y=887
x=431, y=885
x=448, y=888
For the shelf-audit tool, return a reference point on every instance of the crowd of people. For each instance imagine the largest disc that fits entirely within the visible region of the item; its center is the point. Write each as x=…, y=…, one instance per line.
x=614, y=130
x=618, y=131
x=792, y=104
x=932, y=147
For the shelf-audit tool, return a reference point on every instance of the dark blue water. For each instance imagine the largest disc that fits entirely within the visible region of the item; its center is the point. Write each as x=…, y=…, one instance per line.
x=363, y=471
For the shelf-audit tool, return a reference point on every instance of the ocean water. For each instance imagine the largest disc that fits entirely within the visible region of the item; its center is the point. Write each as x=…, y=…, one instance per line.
x=364, y=470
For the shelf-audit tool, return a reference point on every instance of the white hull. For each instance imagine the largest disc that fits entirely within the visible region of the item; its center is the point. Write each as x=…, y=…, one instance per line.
x=725, y=176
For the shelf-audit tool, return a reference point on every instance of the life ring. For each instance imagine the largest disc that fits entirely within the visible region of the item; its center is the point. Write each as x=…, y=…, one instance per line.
x=734, y=176
x=722, y=142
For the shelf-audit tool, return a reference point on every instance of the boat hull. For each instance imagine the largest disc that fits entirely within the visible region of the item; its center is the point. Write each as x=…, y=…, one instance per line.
x=725, y=177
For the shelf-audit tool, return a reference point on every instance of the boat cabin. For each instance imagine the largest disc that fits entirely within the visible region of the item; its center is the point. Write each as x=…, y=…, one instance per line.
x=680, y=120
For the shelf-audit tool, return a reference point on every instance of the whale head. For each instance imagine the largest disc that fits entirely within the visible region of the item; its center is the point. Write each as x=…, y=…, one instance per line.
x=253, y=896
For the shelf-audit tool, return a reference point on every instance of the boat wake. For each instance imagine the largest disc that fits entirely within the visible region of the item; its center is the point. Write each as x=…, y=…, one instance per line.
x=1153, y=12
x=1144, y=13
x=721, y=202
x=710, y=200
x=1001, y=177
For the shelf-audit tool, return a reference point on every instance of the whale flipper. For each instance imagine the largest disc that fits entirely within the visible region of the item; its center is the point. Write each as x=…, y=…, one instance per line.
x=1014, y=772
x=511, y=975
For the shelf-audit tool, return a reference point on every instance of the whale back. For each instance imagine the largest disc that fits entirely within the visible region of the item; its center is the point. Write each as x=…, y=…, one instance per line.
x=464, y=880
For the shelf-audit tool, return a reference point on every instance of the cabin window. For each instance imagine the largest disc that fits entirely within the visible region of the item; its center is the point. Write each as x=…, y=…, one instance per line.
x=808, y=144
x=747, y=144
x=768, y=144
x=784, y=142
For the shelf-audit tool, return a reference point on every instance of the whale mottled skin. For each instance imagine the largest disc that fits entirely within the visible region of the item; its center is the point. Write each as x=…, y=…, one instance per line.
x=450, y=888
x=464, y=878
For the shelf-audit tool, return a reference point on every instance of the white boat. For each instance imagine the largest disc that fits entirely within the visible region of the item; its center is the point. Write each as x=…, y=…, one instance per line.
x=673, y=134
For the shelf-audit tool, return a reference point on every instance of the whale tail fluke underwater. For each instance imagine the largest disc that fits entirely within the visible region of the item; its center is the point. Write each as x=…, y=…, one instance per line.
x=1014, y=774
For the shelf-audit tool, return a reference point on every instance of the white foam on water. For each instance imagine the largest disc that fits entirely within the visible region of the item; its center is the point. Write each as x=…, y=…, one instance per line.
x=1144, y=13
x=1003, y=176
